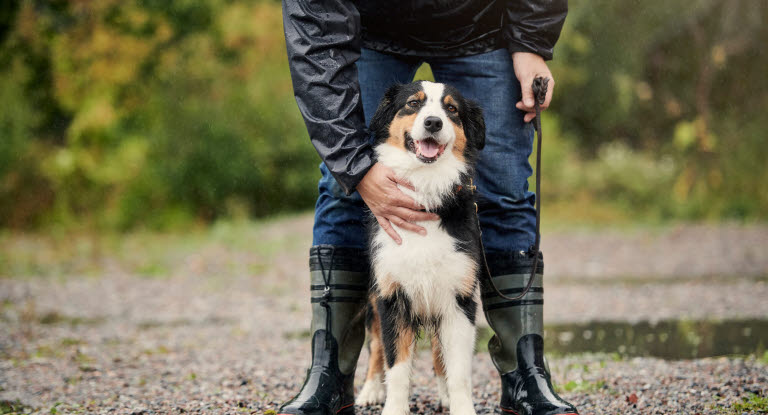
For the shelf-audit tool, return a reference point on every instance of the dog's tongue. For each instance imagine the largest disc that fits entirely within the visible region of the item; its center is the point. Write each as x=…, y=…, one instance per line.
x=428, y=148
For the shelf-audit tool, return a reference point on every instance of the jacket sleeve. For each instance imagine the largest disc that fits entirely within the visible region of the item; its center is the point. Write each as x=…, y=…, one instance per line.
x=323, y=42
x=534, y=25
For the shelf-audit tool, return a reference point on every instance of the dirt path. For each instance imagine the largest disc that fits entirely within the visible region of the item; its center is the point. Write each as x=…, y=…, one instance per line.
x=222, y=332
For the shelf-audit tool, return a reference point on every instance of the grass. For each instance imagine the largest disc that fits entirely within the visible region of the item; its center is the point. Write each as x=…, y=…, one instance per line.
x=581, y=386
x=751, y=403
x=13, y=407
x=227, y=248
x=764, y=358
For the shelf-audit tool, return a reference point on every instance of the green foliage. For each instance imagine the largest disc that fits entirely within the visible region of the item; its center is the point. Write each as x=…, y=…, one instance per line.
x=678, y=84
x=167, y=112
x=151, y=113
x=751, y=403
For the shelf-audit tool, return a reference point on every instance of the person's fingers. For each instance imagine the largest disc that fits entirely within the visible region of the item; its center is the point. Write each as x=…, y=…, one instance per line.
x=530, y=113
x=407, y=225
x=401, y=199
x=550, y=92
x=526, y=85
x=384, y=223
x=521, y=106
x=529, y=116
x=403, y=182
x=413, y=215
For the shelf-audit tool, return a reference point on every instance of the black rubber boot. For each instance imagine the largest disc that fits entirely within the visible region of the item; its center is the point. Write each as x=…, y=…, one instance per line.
x=339, y=293
x=517, y=347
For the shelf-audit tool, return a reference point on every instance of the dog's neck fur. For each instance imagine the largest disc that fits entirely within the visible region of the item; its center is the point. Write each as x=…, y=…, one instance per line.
x=434, y=182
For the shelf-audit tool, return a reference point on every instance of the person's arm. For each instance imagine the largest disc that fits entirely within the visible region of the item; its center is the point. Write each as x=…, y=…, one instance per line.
x=323, y=43
x=534, y=25
x=531, y=31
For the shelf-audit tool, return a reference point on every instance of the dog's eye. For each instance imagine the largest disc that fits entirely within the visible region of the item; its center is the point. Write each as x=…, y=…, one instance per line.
x=451, y=108
x=413, y=103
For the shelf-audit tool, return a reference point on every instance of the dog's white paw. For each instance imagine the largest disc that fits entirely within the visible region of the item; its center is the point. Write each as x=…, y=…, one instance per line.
x=373, y=392
x=442, y=392
x=463, y=409
x=392, y=410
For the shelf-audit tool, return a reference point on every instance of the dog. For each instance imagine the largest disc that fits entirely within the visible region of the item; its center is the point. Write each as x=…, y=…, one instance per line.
x=430, y=135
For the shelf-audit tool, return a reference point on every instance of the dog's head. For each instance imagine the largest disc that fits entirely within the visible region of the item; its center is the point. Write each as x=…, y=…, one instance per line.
x=427, y=120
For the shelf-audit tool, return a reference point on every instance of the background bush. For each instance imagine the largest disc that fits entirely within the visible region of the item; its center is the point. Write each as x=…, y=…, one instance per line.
x=158, y=113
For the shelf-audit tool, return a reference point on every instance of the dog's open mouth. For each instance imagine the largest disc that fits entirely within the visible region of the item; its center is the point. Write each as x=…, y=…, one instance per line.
x=427, y=149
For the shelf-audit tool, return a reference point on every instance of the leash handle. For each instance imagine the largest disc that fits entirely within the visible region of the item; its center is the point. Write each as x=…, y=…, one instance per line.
x=539, y=87
x=539, y=96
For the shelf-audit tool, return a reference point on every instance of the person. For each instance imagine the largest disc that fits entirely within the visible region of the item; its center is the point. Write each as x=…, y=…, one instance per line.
x=343, y=55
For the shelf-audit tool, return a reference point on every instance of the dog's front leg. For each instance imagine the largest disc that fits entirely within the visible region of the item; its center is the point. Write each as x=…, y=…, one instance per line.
x=373, y=391
x=399, y=340
x=439, y=364
x=457, y=340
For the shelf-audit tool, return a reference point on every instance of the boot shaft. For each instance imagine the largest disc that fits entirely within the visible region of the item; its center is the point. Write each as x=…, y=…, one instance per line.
x=511, y=320
x=339, y=286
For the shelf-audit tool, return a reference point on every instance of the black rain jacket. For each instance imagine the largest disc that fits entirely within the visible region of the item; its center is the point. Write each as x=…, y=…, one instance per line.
x=324, y=37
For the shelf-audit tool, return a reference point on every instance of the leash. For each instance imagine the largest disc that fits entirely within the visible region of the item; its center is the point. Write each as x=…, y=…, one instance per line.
x=539, y=96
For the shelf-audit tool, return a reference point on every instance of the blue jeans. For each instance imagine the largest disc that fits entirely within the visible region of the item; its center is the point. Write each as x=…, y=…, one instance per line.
x=507, y=212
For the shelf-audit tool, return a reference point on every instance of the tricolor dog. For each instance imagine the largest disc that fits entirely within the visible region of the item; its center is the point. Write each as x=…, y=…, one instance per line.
x=429, y=135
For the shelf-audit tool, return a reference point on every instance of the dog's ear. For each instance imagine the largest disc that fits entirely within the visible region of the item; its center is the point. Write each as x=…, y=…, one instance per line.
x=385, y=113
x=474, y=124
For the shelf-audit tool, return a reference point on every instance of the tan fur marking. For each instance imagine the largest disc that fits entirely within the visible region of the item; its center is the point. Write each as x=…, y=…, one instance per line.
x=468, y=282
x=397, y=130
x=386, y=287
x=460, y=143
x=448, y=100
x=419, y=96
x=376, y=347
x=437, y=357
x=403, y=346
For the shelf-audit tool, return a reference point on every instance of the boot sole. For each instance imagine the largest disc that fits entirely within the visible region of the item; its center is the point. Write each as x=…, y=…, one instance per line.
x=513, y=412
x=345, y=410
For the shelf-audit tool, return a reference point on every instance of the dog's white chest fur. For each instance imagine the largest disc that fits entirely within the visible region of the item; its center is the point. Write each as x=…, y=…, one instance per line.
x=429, y=269
x=432, y=181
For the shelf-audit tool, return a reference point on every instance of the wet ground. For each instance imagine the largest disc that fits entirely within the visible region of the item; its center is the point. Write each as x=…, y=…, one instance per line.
x=218, y=323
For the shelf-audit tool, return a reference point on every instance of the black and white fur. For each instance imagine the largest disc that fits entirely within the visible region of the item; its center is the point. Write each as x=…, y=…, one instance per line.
x=428, y=282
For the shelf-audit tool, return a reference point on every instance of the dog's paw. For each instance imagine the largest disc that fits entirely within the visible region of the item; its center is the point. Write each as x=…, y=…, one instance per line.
x=442, y=392
x=463, y=410
x=373, y=392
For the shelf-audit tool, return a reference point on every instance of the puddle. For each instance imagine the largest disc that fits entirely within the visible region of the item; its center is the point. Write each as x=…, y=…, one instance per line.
x=671, y=339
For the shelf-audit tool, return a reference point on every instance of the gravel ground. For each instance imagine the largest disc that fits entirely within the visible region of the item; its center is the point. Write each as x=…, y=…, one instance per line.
x=208, y=336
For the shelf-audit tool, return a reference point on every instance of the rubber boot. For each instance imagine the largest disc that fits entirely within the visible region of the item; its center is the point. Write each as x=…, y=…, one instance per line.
x=339, y=292
x=517, y=347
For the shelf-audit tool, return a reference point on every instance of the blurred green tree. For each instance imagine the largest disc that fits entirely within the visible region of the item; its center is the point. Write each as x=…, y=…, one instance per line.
x=156, y=113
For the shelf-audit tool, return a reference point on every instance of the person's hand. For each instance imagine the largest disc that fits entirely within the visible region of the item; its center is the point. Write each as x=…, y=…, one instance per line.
x=389, y=204
x=527, y=67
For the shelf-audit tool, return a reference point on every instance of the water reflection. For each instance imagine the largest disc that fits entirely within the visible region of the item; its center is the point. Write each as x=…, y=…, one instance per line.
x=671, y=339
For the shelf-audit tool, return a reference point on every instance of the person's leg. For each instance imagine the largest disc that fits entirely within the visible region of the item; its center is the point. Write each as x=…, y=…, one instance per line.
x=508, y=220
x=339, y=275
x=507, y=211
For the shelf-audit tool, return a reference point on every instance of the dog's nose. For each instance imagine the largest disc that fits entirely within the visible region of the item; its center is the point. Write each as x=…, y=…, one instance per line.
x=433, y=124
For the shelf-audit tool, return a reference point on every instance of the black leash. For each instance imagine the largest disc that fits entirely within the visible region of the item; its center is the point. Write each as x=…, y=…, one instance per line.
x=539, y=96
